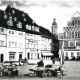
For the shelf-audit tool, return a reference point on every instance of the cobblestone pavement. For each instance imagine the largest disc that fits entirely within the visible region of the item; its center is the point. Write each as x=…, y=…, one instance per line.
x=72, y=72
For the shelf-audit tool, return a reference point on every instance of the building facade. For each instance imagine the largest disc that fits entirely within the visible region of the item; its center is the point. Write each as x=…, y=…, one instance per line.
x=55, y=41
x=71, y=37
x=22, y=38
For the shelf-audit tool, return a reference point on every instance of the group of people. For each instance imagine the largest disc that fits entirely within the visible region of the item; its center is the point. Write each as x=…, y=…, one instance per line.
x=41, y=63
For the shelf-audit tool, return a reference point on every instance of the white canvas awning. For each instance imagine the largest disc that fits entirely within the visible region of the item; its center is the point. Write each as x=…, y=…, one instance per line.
x=47, y=54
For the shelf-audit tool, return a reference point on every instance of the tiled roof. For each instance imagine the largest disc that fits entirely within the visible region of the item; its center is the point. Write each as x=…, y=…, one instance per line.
x=19, y=16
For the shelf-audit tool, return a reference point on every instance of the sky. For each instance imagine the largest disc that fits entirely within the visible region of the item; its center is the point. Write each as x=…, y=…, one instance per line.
x=44, y=11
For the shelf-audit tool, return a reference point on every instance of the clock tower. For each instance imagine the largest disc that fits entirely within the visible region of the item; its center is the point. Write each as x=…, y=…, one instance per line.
x=54, y=27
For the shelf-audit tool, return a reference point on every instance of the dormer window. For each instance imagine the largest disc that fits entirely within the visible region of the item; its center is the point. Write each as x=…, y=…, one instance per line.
x=10, y=17
x=19, y=25
x=24, y=19
x=23, y=14
x=27, y=26
x=5, y=16
x=33, y=28
x=13, y=11
x=9, y=14
x=33, y=22
x=15, y=19
x=10, y=23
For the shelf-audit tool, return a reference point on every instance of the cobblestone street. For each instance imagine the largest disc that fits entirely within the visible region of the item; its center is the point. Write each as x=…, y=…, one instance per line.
x=72, y=72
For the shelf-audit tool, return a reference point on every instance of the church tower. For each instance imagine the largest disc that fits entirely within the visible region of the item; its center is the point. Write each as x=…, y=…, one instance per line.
x=54, y=27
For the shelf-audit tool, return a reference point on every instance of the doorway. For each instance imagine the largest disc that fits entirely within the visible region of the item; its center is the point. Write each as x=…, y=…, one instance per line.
x=20, y=56
x=2, y=58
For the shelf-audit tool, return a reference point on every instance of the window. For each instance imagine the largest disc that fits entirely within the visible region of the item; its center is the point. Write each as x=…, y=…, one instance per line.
x=65, y=43
x=72, y=43
x=72, y=54
x=12, y=32
x=31, y=55
x=33, y=28
x=11, y=55
x=66, y=54
x=9, y=43
x=77, y=43
x=27, y=45
x=1, y=43
x=78, y=34
x=69, y=34
x=1, y=31
x=13, y=11
x=5, y=16
x=24, y=19
x=15, y=19
x=21, y=34
x=19, y=25
x=72, y=34
x=10, y=23
x=9, y=32
x=75, y=34
x=78, y=54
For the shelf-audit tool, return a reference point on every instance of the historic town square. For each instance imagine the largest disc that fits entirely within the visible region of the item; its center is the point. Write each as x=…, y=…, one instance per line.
x=40, y=39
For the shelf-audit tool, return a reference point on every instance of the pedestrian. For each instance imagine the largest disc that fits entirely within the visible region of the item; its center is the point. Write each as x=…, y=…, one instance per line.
x=53, y=61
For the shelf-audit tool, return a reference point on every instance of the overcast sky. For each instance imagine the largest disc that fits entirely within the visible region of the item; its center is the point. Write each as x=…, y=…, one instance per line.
x=43, y=11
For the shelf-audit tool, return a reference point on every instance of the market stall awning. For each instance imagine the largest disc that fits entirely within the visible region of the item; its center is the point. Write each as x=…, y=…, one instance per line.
x=47, y=54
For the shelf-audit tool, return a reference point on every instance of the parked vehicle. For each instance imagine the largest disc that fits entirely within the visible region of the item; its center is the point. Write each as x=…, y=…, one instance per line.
x=10, y=70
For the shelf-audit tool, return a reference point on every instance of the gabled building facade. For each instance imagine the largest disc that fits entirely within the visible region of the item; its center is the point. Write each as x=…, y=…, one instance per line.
x=71, y=38
x=22, y=38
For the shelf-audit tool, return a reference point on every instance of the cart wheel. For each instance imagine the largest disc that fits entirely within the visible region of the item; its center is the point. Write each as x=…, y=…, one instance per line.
x=43, y=75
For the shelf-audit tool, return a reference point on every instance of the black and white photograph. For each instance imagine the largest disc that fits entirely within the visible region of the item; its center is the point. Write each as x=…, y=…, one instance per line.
x=39, y=39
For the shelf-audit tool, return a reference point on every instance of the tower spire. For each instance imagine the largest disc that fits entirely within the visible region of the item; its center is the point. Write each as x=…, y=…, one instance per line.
x=54, y=27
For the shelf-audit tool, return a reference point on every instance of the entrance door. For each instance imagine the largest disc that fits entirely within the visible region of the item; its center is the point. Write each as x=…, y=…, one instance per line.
x=20, y=56
x=28, y=55
x=1, y=58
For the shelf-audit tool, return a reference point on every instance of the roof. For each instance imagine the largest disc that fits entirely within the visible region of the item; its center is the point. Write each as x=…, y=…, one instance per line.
x=24, y=19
